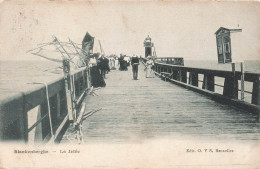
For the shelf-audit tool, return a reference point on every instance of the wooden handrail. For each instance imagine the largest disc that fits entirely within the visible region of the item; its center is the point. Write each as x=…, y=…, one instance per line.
x=249, y=76
x=180, y=73
x=14, y=120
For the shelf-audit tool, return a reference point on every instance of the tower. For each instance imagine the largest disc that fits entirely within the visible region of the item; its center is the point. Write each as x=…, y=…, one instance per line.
x=148, y=46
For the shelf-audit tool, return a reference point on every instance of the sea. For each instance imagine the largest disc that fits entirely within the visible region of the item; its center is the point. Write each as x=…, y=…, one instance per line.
x=20, y=75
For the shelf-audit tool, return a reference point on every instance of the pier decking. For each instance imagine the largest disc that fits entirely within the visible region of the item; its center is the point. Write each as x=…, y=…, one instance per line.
x=148, y=108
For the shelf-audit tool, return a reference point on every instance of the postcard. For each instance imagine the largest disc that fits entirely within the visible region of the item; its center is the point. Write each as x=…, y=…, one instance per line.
x=129, y=84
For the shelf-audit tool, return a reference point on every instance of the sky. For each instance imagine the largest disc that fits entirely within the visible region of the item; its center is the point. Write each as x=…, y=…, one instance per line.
x=178, y=29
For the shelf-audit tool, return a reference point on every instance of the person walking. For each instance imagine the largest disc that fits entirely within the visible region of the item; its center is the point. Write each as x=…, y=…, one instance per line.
x=135, y=63
x=149, y=71
x=120, y=60
x=96, y=79
x=102, y=65
x=125, y=63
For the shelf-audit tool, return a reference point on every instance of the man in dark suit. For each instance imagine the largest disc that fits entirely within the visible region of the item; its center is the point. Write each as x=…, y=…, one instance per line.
x=102, y=65
x=135, y=63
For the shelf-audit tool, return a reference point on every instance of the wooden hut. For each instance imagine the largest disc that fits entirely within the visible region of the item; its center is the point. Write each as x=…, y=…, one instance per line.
x=224, y=44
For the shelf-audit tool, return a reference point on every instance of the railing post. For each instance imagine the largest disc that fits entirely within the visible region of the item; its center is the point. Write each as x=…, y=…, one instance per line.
x=84, y=79
x=208, y=82
x=231, y=85
x=77, y=85
x=73, y=86
x=88, y=77
x=256, y=92
x=63, y=103
x=242, y=81
x=38, y=137
x=194, y=79
x=179, y=75
x=58, y=105
x=68, y=88
x=23, y=123
x=45, y=127
x=183, y=76
x=175, y=74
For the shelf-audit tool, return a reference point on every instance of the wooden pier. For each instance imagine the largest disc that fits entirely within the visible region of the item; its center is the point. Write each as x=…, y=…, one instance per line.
x=148, y=108
x=170, y=105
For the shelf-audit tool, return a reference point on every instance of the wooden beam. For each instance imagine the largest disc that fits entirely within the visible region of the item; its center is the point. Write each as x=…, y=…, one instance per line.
x=256, y=92
x=38, y=137
x=231, y=84
x=183, y=76
x=208, y=82
x=194, y=79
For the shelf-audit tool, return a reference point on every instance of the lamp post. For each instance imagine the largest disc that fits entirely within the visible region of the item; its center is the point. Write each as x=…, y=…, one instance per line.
x=242, y=83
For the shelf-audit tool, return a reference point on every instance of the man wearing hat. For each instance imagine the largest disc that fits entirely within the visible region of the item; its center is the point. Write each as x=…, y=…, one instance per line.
x=135, y=63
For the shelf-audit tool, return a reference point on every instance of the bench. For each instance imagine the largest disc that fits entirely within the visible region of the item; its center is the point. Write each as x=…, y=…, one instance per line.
x=165, y=75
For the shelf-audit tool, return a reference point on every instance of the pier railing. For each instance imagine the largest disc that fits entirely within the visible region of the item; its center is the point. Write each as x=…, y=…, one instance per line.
x=188, y=77
x=171, y=60
x=40, y=114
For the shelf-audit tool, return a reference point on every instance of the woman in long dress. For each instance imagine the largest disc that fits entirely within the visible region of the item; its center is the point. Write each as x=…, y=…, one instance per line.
x=116, y=62
x=96, y=79
x=149, y=70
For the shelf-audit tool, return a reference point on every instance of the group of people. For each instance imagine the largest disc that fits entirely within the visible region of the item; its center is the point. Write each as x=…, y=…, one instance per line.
x=101, y=65
x=149, y=66
x=124, y=62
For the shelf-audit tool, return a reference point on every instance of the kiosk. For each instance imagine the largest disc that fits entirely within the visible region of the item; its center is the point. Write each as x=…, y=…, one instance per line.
x=224, y=44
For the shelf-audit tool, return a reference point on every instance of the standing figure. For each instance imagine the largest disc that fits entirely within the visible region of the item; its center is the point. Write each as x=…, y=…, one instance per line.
x=112, y=63
x=116, y=62
x=102, y=65
x=107, y=69
x=121, y=59
x=149, y=66
x=96, y=78
x=135, y=63
x=125, y=62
